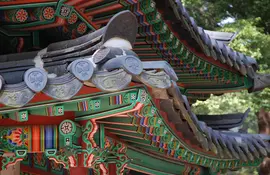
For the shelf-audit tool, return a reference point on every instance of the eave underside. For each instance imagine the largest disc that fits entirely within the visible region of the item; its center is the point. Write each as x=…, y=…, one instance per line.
x=141, y=126
x=157, y=39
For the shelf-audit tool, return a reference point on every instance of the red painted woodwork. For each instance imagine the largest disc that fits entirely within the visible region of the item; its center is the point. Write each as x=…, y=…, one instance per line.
x=17, y=2
x=88, y=3
x=41, y=97
x=112, y=169
x=79, y=171
x=33, y=171
x=105, y=9
x=38, y=120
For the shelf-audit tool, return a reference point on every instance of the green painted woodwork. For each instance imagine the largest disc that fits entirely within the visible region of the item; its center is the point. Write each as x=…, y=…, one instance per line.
x=117, y=127
x=142, y=128
x=118, y=120
x=173, y=43
x=153, y=165
x=146, y=148
x=82, y=105
x=10, y=33
x=147, y=170
x=71, y=133
x=145, y=128
x=127, y=134
x=20, y=116
x=21, y=138
x=137, y=129
x=186, y=155
x=30, y=24
x=64, y=10
x=31, y=5
x=36, y=39
x=101, y=136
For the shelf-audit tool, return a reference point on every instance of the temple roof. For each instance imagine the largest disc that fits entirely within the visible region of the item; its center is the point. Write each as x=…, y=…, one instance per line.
x=210, y=46
x=225, y=121
x=201, y=59
x=182, y=22
x=83, y=62
x=172, y=62
x=224, y=37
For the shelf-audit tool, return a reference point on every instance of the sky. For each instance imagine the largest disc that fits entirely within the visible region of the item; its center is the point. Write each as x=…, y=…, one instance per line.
x=226, y=21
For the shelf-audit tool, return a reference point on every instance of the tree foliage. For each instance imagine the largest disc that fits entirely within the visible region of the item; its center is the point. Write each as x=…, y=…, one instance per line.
x=214, y=11
x=251, y=40
x=251, y=20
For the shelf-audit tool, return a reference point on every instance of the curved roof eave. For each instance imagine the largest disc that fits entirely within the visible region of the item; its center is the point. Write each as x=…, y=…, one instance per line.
x=245, y=65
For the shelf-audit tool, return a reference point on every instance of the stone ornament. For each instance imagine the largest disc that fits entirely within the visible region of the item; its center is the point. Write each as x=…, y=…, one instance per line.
x=106, y=53
x=65, y=48
x=160, y=65
x=82, y=69
x=16, y=95
x=123, y=25
x=111, y=81
x=63, y=87
x=35, y=79
x=170, y=71
x=260, y=82
x=129, y=63
x=101, y=54
x=155, y=79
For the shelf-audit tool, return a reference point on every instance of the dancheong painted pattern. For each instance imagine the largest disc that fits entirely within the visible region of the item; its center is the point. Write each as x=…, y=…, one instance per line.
x=106, y=87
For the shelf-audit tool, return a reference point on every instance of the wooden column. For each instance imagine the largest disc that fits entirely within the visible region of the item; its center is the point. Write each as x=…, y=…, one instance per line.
x=79, y=171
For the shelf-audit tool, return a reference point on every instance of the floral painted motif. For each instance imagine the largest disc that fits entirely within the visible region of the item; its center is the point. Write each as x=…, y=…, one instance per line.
x=66, y=128
x=17, y=136
x=81, y=29
x=97, y=104
x=133, y=96
x=73, y=18
x=64, y=11
x=21, y=15
x=60, y=110
x=48, y=13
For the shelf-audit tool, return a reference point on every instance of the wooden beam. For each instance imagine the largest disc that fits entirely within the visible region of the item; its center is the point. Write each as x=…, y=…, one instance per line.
x=79, y=170
x=34, y=171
